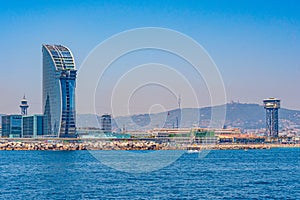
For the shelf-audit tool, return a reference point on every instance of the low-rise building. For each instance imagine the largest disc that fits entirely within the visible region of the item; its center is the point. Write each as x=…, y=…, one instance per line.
x=32, y=126
x=140, y=134
x=12, y=126
x=240, y=138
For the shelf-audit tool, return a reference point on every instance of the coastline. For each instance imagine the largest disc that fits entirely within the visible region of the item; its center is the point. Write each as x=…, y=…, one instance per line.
x=69, y=145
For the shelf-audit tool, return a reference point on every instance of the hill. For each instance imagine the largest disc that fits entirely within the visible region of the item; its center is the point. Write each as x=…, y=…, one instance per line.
x=244, y=116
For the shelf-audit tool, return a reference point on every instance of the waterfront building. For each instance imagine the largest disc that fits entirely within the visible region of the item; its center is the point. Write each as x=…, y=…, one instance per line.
x=59, y=82
x=140, y=134
x=12, y=126
x=24, y=106
x=106, y=123
x=97, y=133
x=32, y=126
x=272, y=105
x=227, y=131
x=240, y=139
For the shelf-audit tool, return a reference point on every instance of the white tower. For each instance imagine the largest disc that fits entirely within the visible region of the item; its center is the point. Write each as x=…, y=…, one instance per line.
x=24, y=106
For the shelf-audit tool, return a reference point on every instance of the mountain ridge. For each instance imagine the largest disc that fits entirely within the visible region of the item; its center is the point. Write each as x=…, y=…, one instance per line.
x=238, y=115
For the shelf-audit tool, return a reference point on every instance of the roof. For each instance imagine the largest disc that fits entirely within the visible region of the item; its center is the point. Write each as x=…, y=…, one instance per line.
x=62, y=56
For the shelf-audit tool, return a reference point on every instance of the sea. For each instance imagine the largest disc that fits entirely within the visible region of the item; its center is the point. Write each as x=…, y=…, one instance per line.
x=219, y=174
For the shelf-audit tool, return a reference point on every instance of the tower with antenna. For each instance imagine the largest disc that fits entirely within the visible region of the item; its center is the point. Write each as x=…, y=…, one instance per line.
x=179, y=101
x=179, y=109
x=24, y=106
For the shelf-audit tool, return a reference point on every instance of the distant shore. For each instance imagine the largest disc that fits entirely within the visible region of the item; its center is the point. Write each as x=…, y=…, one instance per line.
x=69, y=145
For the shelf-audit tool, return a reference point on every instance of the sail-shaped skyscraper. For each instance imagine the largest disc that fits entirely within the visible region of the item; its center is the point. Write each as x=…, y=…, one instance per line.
x=59, y=82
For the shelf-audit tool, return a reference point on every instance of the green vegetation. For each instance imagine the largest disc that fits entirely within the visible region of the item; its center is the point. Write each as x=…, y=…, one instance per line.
x=180, y=135
x=201, y=134
x=198, y=134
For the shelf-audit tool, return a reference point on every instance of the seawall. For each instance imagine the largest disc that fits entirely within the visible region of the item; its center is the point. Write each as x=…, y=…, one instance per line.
x=72, y=145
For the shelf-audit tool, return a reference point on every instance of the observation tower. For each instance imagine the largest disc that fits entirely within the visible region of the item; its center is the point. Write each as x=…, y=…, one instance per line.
x=272, y=105
x=24, y=106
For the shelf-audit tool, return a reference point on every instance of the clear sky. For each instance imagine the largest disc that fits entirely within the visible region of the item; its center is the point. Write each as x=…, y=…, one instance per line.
x=255, y=44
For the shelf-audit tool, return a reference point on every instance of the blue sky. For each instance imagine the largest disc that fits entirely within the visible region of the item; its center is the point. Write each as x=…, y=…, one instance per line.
x=255, y=44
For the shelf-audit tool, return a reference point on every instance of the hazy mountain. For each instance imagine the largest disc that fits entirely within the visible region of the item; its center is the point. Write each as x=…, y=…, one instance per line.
x=244, y=116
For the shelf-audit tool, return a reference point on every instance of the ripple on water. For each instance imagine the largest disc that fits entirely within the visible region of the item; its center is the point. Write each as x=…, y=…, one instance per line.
x=257, y=174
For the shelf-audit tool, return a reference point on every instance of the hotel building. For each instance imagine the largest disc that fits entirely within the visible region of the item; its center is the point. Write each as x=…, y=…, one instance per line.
x=59, y=82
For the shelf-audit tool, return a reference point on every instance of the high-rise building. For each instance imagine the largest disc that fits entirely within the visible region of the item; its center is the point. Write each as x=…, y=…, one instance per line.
x=272, y=106
x=32, y=126
x=106, y=123
x=12, y=126
x=59, y=82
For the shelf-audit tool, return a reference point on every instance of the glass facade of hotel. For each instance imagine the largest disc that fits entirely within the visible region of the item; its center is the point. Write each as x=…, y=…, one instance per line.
x=59, y=82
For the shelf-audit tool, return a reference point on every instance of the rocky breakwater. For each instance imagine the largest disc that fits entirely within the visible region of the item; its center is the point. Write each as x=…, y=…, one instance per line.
x=253, y=146
x=127, y=145
x=65, y=145
x=86, y=145
x=41, y=146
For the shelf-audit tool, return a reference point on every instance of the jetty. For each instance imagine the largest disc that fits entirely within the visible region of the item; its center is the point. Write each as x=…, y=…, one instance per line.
x=71, y=144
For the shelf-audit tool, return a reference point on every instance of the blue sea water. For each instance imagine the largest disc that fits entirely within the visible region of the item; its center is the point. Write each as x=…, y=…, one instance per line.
x=227, y=174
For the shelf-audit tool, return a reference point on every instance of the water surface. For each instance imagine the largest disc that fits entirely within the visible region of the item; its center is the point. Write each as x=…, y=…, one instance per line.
x=227, y=174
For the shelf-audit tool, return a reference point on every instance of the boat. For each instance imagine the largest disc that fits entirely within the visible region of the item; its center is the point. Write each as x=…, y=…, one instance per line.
x=193, y=151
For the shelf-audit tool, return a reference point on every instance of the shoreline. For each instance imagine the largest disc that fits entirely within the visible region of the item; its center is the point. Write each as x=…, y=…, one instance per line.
x=127, y=145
